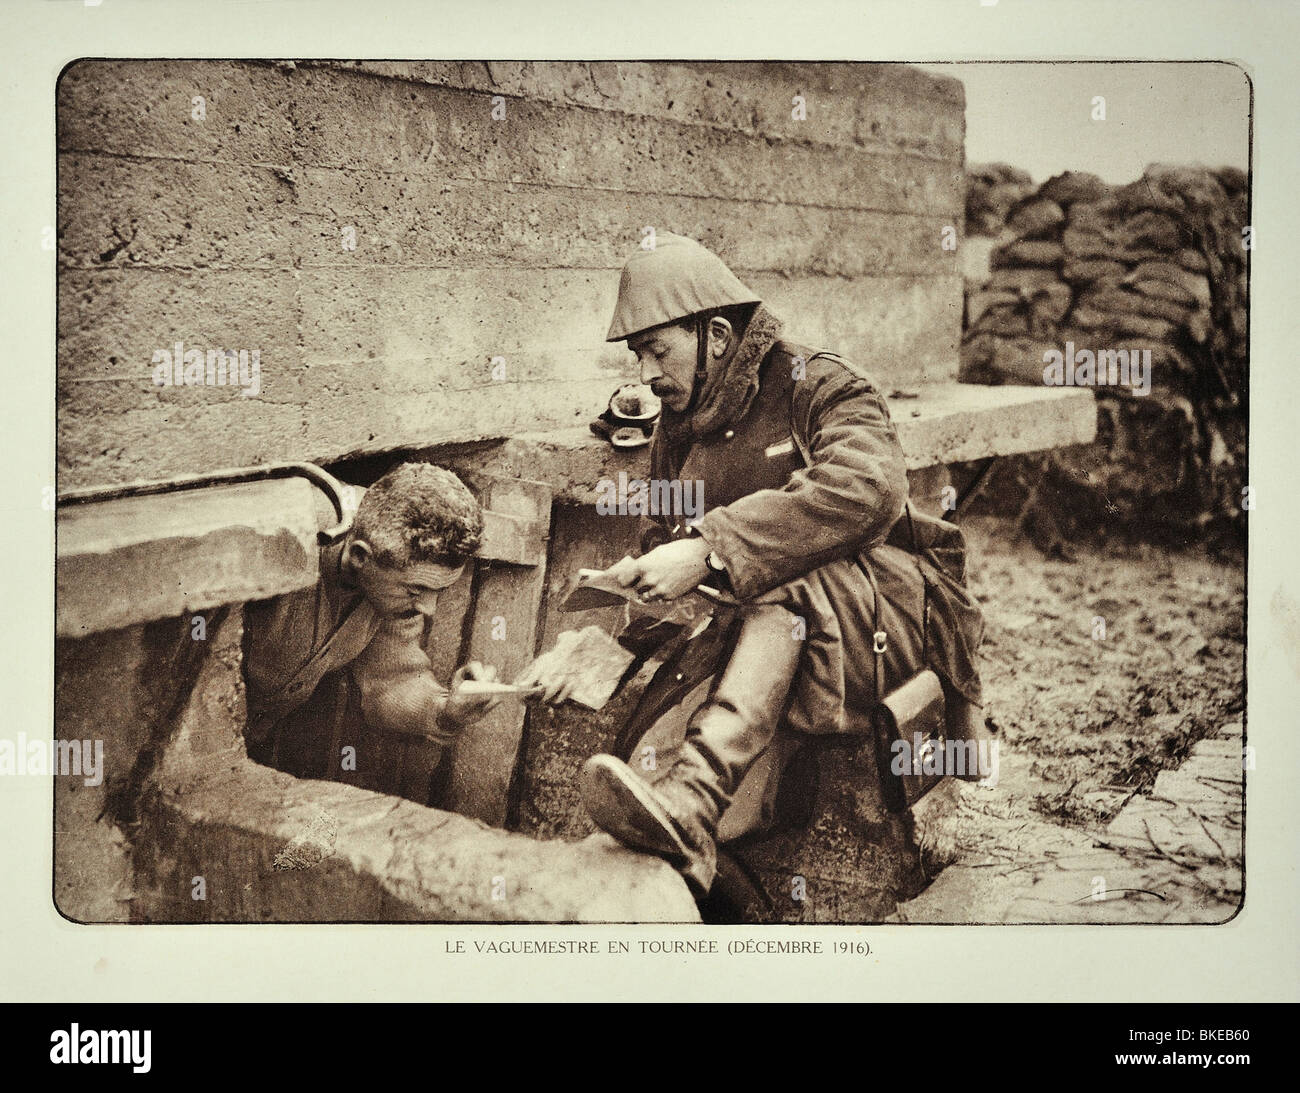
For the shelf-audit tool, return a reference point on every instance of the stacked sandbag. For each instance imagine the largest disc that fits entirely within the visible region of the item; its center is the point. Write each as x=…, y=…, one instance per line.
x=991, y=191
x=1157, y=265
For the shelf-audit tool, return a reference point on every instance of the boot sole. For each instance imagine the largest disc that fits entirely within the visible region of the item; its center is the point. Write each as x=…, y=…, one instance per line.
x=622, y=804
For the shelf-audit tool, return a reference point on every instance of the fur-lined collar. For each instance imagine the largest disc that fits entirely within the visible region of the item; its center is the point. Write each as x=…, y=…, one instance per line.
x=727, y=392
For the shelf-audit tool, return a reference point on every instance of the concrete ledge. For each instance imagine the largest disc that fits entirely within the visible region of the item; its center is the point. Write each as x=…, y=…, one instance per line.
x=271, y=847
x=135, y=559
x=945, y=423
x=957, y=422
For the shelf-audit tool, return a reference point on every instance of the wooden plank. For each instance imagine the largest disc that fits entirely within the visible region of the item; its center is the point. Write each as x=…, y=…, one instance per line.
x=443, y=641
x=513, y=539
x=503, y=633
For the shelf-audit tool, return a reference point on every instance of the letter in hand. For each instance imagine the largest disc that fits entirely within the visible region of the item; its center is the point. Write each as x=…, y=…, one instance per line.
x=667, y=572
x=463, y=706
x=551, y=676
x=585, y=666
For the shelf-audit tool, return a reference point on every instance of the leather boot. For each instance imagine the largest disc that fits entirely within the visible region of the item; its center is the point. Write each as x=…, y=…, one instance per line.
x=676, y=817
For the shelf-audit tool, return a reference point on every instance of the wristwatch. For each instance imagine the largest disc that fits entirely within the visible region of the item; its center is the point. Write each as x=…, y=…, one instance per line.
x=715, y=563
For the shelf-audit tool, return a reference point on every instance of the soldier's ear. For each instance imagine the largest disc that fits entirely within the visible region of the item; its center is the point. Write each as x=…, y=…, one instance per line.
x=357, y=553
x=721, y=336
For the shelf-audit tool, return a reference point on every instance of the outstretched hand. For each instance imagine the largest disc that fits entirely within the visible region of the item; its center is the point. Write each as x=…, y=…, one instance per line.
x=556, y=683
x=461, y=708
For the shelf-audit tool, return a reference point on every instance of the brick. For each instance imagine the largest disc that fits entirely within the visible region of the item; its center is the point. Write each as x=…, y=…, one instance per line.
x=112, y=321
x=340, y=424
x=392, y=344
x=463, y=318
x=881, y=106
x=434, y=384
x=416, y=219
x=90, y=396
x=349, y=120
x=903, y=331
x=114, y=448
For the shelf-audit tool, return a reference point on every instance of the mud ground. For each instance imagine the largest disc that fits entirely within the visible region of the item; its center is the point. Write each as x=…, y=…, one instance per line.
x=1102, y=672
x=1115, y=683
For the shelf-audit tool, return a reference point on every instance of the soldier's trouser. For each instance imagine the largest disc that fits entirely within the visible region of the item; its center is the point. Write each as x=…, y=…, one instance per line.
x=678, y=815
x=737, y=721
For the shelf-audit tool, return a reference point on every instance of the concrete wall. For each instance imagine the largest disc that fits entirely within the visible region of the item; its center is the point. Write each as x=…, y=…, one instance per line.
x=127, y=689
x=475, y=238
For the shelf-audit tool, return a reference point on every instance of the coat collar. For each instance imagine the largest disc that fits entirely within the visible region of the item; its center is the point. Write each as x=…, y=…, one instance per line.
x=729, y=391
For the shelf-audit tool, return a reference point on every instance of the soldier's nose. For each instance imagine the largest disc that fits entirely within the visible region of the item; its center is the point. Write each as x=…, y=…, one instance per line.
x=427, y=604
x=650, y=372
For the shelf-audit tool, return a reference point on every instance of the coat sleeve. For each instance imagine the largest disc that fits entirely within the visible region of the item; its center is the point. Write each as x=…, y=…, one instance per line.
x=844, y=501
x=398, y=689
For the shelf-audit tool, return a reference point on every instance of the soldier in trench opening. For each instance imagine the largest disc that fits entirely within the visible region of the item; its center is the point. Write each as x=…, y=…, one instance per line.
x=804, y=485
x=327, y=664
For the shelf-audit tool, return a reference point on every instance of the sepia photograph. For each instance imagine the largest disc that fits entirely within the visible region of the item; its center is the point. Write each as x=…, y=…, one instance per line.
x=705, y=492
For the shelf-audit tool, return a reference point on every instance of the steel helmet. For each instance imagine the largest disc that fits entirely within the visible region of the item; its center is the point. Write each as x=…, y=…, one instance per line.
x=679, y=277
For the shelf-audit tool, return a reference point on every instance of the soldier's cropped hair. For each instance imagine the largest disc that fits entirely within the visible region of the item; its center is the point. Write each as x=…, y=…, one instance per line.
x=419, y=512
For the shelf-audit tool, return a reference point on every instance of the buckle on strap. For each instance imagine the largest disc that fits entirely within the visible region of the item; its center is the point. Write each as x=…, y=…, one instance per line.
x=878, y=642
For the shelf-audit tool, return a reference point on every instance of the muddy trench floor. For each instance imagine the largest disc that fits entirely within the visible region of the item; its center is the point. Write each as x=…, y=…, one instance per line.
x=1115, y=683
x=1102, y=672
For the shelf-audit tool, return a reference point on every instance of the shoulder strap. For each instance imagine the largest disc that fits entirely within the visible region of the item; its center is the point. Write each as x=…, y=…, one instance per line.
x=925, y=586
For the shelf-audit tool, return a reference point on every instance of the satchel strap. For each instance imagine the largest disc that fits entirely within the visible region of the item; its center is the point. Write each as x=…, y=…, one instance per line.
x=880, y=640
x=925, y=587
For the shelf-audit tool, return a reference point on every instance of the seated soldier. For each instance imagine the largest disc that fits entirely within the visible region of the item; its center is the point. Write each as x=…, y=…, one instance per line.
x=807, y=514
x=327, y=663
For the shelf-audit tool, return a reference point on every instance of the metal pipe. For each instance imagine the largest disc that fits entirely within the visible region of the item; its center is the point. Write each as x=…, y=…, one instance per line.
x=323, y=480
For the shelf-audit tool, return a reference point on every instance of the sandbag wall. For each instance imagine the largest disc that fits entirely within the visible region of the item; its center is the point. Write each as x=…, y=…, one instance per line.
x=1159, y=264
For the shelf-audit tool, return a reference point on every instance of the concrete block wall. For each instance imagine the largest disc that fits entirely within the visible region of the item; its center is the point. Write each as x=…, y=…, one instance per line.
x=475, y=238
